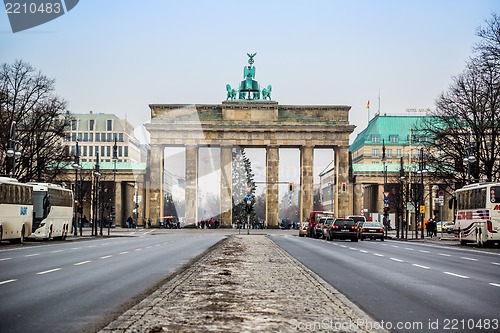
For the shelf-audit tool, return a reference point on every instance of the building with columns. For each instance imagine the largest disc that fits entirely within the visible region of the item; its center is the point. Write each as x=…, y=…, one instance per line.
x=248, y=123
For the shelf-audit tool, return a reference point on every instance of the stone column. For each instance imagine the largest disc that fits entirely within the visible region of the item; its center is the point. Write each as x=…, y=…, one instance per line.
x=272, y=174
x=191, y=193
x=156, y=161
x=342, y=169
x=306, y=181
x=119, y=219
x=226, y=186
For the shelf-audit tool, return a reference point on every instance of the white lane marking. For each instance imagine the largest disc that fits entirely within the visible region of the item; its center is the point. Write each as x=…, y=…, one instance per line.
x=124, y=252
x=467, y=258
x=396, y=259
x=49, y=271
x=421, y=266
x=91, y=246
x=76, y=248
x=409, y=249
x=363, y=251
x=343, y=246
x=106, y=257
x=444, y=254
x=351, y=248
x=378, y=254
x=139, y=249
x=32, y=255
x=394, y=246
x=157, y=244
x=494, y=284
x=423, y=251
x=457, y=275
x=148, y=247
x=57, y=251
x=7, y=281
x=3, y=259
x=82, y=263
x=494, y=263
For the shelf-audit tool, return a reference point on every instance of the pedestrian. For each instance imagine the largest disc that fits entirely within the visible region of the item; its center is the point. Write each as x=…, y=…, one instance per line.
x=129, y=222
x=149, y=223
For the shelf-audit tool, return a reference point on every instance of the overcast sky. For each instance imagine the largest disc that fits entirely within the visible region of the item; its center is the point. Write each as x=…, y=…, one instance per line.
x=118, y=56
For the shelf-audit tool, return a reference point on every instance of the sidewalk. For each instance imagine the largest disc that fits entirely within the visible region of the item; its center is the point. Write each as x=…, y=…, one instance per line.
x=246, y=284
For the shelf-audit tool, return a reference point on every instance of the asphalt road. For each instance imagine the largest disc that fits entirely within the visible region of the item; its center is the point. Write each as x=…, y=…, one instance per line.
x=77, y=286
x=409, y=287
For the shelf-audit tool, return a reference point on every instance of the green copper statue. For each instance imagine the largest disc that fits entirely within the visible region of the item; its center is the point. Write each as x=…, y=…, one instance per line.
x=249, y=88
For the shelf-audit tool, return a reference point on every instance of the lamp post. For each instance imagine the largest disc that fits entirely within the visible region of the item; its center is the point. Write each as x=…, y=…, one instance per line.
x=470, y=158
x=136, y=203
x=113, y=208
x=401, y=195
x=76, y=166
x=421, y=170
x=386, y=199
x=97, y=174
x=12, y=151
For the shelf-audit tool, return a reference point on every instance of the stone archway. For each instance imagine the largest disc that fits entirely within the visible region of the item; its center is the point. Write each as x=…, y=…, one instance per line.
x=249, y=123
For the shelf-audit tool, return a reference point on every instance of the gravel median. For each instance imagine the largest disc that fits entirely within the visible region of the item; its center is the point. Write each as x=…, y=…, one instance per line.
x=246, y=284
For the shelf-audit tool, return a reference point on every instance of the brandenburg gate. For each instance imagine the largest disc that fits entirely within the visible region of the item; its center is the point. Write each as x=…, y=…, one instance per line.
x=248, y=118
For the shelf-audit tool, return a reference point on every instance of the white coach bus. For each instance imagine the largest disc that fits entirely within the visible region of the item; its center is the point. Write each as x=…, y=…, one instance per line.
x=16, y=210
x=52, y=211
x=478, y=213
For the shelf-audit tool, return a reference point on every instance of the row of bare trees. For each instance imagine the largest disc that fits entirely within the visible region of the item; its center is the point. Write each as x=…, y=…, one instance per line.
x=466, y=121
x=40, y=119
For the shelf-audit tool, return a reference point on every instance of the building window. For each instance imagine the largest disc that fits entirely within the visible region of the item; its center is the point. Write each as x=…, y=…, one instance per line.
x=74, y=125
x=120, y=151
x=125, y=151
x=399, y=153
x=68, y=137
x=103, y=148
x=103, y=137
x=375, y=153
x=120, y=137
x=110, y=137
x=108, y=151
x=91, y=150
x=84, y=153
x=91, y=137
x=375, y=139
x=109, y=125
x=73, y=137
x=85, y=137
x=389, y=152
x=91, y=124
x=394, y=139
x=97, y=137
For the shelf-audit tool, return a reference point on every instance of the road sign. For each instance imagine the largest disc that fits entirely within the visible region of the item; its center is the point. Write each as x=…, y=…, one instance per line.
x=422, y=209
x=386, y=194
x=386, y=201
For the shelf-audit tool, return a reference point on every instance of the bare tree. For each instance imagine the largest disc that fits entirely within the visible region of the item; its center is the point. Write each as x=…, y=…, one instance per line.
x=466, y=120
x=27, y=98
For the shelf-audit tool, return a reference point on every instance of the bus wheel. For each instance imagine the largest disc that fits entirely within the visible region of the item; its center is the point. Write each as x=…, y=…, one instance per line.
x=479, y=240
x=64, y=232
x=20, y=240
x=50, y=233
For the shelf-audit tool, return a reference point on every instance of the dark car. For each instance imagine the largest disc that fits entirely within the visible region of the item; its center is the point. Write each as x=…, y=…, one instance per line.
x=371, y=230
x=343, y=229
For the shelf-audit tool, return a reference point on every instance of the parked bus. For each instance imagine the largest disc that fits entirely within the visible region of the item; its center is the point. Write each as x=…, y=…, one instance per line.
x=478, y=213
x=16, y=210
x=52, y=211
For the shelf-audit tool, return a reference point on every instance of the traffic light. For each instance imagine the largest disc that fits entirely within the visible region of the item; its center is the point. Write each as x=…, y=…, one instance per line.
x=386, y=210
x=248, y=206
x=290, y=187
x=79, y=208
x=344, y=187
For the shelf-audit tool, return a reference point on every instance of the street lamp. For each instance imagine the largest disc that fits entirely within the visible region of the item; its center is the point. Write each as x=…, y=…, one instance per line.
x=12, y=151
x=136, y=204
x=113, y=208
x=97, y=174
x=421, y=170
x=470, y=158
x=76, y=166
x=401, y=195
x=386, y=200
